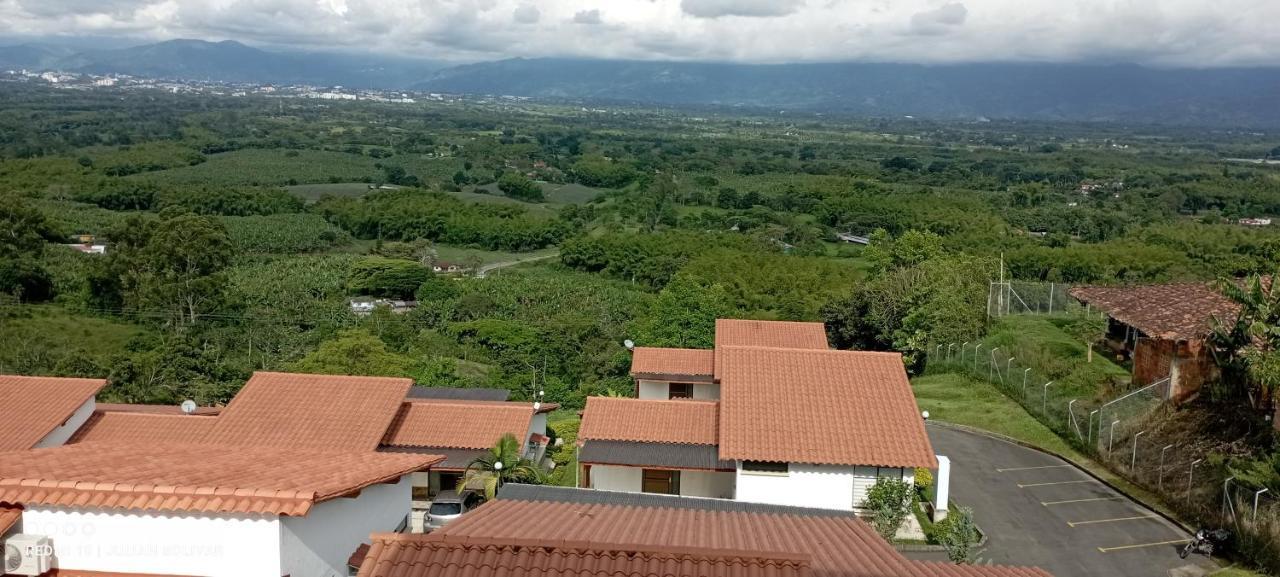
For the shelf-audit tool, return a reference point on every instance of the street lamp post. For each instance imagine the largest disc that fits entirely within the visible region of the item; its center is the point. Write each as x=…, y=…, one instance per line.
x=1160, y=483
x=1133, y=461
x=1191, y=474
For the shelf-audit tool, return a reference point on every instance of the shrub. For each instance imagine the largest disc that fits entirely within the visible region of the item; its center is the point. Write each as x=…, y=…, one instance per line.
x=957, y=534
x=386, y=277
x=924, y=479
x=890, y=501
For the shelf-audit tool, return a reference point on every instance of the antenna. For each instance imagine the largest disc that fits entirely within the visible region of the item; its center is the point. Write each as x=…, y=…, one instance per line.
x=188, y=406
x=630, y=344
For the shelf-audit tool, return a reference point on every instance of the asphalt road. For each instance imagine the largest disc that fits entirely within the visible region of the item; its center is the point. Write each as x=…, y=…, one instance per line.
x=1039, y=510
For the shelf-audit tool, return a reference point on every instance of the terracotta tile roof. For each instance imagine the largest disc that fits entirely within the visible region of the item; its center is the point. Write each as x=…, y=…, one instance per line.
x=837, y=546
x=32, y=407
x=322, y=412
x=194, y=478
x=395, y=555
x=820, y=406
x=649, y=421
x=681, y=362
x=9, y=516
x=153, y=409
x=1183, y=311
x=457, y=424
x=776, y=334
x=130, y=427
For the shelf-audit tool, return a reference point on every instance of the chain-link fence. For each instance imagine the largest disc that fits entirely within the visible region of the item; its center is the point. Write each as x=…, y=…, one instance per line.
x=1030, y=297
x=1132, y=431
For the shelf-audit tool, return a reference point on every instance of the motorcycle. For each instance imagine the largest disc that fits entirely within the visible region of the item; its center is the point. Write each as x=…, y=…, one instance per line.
x=1206, y=542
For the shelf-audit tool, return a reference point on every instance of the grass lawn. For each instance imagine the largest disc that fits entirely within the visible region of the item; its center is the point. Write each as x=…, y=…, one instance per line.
x=313, y=192
x=71, y=339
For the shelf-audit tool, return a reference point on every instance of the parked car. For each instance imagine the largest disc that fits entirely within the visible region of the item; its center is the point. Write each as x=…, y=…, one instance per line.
x=449, y=505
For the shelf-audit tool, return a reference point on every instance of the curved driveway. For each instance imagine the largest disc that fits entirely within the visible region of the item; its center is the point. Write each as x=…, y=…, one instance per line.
x=1039, y=510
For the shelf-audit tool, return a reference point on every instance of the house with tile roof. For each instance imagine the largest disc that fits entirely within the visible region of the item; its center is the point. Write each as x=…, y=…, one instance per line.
x=556, y=531
x=770, y=415
x=288, y=479
x=1163, y=329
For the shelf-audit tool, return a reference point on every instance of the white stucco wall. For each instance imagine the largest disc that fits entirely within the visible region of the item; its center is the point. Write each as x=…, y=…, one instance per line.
x=538, y=424
x=143, y=542
x=60, y=435
x=717, y=484
x=319, y=544
x=661, y=390
x=821, y=486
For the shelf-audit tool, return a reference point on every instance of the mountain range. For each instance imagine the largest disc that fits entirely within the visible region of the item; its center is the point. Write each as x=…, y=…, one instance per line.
x=1237, y=97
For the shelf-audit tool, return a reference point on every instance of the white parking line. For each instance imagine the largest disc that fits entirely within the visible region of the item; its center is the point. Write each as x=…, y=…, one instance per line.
x=1115, y=520
x=1022, y=486
x=1006, y=470
x=1140, y=545
x=1050, y=503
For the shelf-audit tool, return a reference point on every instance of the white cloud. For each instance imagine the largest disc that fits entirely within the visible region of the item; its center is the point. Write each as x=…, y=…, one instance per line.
x=940, y=20
x=1170, y=32
x=587, y=17
x=527, y=14
x=748, y=8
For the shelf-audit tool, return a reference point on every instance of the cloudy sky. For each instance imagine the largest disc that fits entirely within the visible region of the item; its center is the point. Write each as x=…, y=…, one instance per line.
x=1161, y=32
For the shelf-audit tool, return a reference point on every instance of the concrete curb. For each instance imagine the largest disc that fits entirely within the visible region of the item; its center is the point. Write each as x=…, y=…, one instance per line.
x=997, y=436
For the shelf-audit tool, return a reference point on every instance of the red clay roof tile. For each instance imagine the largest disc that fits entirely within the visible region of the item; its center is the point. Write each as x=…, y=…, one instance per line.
x=32, y=407
x=681, y=362
x=650, y=421
x=457, y=424
x=1183, y=311
x=837, y=546
x=9, y=516
x=397, y=555
x=131, y=427
x=153, y=409
x=778, y=334
x=820, y=406
x=322, y=412
x=195, y=478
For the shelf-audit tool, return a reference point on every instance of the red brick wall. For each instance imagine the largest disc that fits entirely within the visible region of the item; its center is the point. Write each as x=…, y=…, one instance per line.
x=1153, y=357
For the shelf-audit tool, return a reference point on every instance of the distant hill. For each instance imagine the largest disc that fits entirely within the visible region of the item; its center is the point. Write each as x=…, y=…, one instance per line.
x=1128, y=93
x=226, y=61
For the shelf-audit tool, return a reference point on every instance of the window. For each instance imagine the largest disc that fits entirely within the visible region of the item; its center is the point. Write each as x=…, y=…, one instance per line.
x=765, y=468
x=661, y=482
x=681, y=391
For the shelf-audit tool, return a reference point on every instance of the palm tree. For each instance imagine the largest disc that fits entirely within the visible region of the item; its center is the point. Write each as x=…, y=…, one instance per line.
x=502, y=465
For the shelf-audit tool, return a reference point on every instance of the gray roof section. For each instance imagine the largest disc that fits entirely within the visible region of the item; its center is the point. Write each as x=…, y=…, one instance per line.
x=457, y=459
x=548, y=493
x=670, y=455
x=458, y=394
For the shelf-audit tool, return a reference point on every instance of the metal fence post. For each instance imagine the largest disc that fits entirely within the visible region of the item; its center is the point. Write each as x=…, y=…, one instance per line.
x=1226, y=499
x=1160, y=483
x=1133, y=461
x=1111, y=436
x=1044, y=400
x=1191, y=475
x=962, y=346
x=1025, y=372
x=1255, y=503
x=991, y=369
x=949, y=345
x=1090, y=425
x=1071, y=417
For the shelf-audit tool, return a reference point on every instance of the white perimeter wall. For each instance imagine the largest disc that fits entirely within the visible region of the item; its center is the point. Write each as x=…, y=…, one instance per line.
x=661, y=390
x=138, y=542
x=60, y=435
x=717, y=484
x=319, y=544
x=822, y=486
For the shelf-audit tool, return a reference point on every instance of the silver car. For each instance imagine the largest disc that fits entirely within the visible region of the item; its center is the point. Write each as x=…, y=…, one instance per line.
x=449, y=505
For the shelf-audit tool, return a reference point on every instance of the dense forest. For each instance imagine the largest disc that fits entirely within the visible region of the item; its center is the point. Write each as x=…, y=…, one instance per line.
x=237, y=229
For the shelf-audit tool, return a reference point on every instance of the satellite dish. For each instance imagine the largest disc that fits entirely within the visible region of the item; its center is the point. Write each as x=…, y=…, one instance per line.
x=188, y=406
x=630, y=344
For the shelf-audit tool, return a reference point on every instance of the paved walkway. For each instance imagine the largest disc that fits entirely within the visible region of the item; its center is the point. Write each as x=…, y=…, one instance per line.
x=1039, y=510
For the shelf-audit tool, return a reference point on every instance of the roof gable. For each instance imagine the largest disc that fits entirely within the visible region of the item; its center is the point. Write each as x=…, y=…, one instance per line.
x=457, y=424
x=322, y=412
x=194, y=478
x=820, y=406
x=776, y=334
x=140, y=427
x=32, y=407
x=672, y=362
x=652, y=421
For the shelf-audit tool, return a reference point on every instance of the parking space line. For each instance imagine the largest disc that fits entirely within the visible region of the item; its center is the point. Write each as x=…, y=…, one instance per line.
x=1006, y=470
x=1021, y=486
x=1140, y=545
x=1115, y=520
x=1049, y=503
